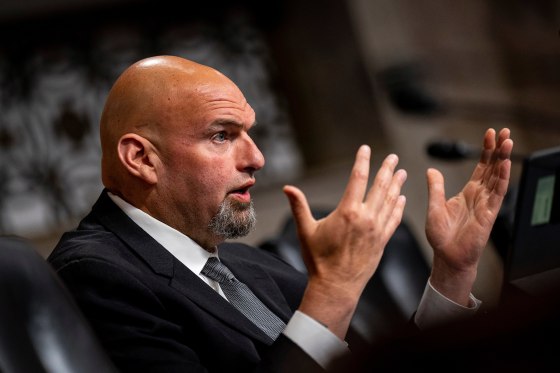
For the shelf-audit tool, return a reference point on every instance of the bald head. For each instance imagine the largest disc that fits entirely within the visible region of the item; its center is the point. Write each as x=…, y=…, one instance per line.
x=141, y=102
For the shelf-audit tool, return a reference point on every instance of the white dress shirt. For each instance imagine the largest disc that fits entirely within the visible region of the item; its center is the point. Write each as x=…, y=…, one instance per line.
x=311, y=336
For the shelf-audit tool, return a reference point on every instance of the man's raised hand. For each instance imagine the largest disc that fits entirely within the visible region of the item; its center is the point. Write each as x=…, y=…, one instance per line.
x=342, y=251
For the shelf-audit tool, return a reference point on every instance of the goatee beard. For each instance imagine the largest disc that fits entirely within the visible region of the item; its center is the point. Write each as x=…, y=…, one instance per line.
x=234, y=219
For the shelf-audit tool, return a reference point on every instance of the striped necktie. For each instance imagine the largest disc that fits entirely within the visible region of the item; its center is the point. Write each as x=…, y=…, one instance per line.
x=240, y=296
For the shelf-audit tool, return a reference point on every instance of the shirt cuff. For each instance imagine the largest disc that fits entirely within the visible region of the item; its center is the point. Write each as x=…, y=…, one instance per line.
x=315, y=339
x=435, y=308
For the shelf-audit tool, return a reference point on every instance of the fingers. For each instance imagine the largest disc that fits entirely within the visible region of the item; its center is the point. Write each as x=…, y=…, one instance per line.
x=500, y=167
x=503, y=135
x=383, y=198
x=500, y=188
x=300, y=209
x=386, y=189
x=493, y=152
x=494, y=171
x=393, y=193
x=496, y=150
x=488, y=147
x=396, y=215
x=436, y=188
x=505, y=144
x=357, y=184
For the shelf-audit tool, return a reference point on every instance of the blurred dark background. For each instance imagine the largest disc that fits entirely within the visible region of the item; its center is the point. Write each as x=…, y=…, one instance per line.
x=323, y=77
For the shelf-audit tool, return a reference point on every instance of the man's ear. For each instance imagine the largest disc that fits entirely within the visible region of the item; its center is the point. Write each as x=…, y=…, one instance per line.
x=137, y=156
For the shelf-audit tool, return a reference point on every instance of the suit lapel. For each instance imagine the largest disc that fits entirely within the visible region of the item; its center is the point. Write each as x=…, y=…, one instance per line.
x=163, y=263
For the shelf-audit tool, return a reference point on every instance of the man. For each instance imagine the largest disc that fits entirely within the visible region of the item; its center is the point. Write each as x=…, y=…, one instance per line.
x=178, y=164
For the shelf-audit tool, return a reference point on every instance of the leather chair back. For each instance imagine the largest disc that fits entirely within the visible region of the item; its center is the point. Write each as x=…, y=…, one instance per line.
x=41, y=328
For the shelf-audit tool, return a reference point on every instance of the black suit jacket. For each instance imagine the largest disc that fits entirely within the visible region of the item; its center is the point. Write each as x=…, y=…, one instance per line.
x=153, y=314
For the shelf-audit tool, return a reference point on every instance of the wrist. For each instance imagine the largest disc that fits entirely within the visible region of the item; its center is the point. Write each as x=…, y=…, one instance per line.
x=330, y=304
x=455, y=284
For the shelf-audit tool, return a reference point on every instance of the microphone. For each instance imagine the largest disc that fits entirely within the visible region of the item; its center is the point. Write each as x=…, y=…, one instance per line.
x=452, y=150
x=448, y=150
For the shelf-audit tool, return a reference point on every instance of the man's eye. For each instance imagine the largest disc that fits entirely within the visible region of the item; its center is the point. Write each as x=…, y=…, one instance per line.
x=220, y=137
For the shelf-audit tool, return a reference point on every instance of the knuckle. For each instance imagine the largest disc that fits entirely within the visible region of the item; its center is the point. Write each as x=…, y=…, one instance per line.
x=350, y=215
x=382, y=182
x=390, y=198
x=360, y=174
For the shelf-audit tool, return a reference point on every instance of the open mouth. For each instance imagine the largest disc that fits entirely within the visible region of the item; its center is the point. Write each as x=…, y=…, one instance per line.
x=244, y=188
x=242, y=193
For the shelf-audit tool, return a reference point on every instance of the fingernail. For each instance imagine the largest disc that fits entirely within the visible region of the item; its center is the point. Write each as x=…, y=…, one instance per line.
x=393, y=158
x=366, y=149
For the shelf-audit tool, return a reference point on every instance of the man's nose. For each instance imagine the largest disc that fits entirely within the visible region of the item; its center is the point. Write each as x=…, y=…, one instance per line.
x=251, y=157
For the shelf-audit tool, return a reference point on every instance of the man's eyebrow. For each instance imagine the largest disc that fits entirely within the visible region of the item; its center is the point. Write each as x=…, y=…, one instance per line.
x=229, y=123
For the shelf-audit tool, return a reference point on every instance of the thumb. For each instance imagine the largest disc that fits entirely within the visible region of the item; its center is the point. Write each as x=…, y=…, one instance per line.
x=300, y=209
x=436, y=188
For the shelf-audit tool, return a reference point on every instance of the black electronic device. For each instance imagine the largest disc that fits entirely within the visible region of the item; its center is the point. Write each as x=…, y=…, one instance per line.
x=533, y=260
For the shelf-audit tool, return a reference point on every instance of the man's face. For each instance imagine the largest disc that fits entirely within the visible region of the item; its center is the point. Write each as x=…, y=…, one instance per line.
x=209, y=161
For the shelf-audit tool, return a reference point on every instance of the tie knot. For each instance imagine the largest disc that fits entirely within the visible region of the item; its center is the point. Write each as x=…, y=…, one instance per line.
x=215, y=270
